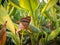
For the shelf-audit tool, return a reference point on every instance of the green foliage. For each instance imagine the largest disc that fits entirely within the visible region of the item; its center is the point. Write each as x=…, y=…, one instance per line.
x=54, y=34
x=27, y=4
x=0, y=1
x=14, y=3
x=34, y=29
x=45, y=17
x=14, y=38
x=5, y=17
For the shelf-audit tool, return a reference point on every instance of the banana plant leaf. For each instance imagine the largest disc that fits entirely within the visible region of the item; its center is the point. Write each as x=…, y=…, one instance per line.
x=29, y=4
x=5, y=17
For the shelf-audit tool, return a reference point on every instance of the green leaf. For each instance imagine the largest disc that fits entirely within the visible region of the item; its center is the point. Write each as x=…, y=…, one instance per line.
x=29, y=4
x=15, y=3
x=46, y=29
x=57, y=7
x=42, y=41
x=54, y=34
x=14, y=37
x=34, y=4
x=0, y=2
x=50, y=4
x=34, y=29
x=2, y=11
x=53, y=14
x=5, y=17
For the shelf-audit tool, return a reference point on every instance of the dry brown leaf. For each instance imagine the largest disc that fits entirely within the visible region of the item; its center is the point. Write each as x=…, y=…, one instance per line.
x=3, y=34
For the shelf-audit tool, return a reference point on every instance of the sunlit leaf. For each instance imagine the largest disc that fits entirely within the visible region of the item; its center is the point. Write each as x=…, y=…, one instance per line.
x=50, y=4
x=29, y=4
x=15, y=3
x=53, y=13
x=5, y=17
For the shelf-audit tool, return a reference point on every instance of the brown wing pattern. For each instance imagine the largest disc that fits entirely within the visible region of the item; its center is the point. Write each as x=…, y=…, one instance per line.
x=26, y=19
x=24, y=23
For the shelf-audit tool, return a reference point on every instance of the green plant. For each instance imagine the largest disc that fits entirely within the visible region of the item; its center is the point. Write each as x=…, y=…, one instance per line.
x=45, y=20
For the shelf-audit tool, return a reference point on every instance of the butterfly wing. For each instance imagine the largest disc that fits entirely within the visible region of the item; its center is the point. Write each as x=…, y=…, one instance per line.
x=24, y=23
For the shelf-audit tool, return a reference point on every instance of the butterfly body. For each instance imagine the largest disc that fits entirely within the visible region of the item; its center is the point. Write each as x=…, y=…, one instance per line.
x=24, y=24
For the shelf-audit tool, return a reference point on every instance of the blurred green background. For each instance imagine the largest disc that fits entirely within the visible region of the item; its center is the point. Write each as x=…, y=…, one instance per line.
x=44, y=25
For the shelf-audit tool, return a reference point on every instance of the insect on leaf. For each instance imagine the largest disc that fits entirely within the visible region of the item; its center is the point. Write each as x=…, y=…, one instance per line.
x=24, y=23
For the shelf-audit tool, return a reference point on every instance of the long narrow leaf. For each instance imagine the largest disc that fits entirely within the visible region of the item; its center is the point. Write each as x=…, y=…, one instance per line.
x=53, y=34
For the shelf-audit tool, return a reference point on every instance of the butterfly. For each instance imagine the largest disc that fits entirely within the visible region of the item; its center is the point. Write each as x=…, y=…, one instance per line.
x=24, y=23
